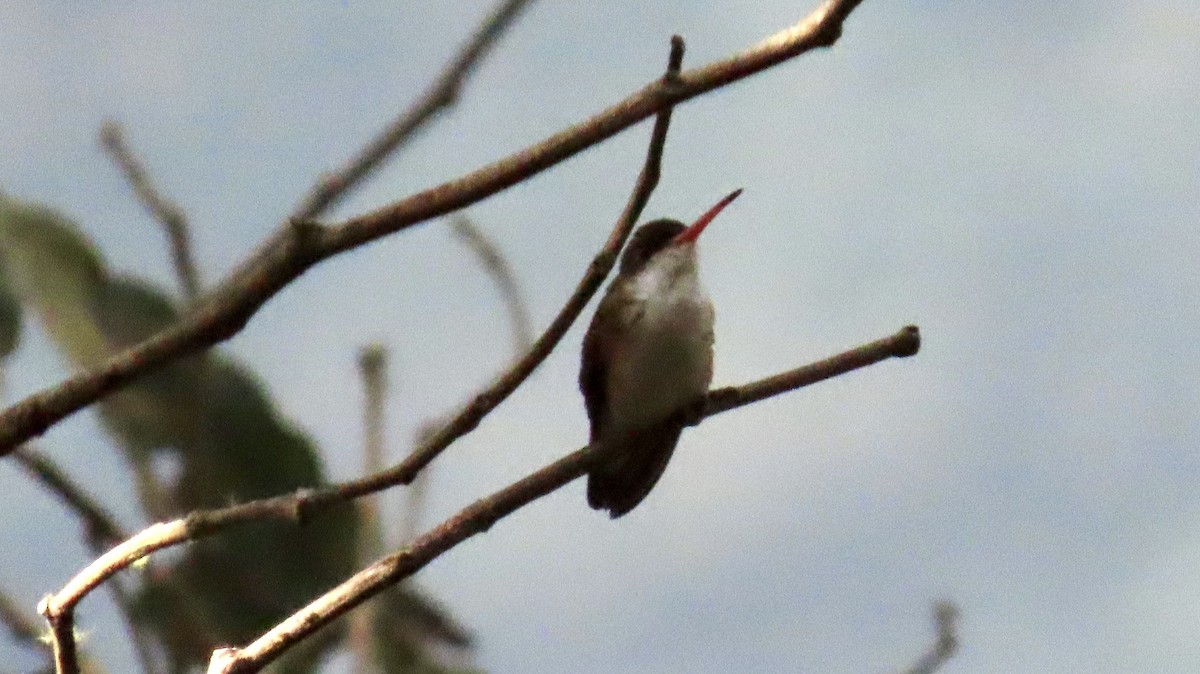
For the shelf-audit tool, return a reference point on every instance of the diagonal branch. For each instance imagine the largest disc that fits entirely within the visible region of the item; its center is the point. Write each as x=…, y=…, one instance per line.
x=482, y=514
x=487, y=400
x=300, y=244
x=100, y=531
x=497, y=267
x=442, y=95
x=305, y=504
x=112, y=137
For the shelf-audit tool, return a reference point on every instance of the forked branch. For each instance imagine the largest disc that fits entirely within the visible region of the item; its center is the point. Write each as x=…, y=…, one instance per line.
x=59, y=608
x=300, y=244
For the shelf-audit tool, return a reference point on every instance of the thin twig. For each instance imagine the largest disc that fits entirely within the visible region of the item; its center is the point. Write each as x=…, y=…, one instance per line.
x=443, y=94
x=495, y=264
x=101, y=528
x=482, y=514
x=300, y=244
x=112, y=138
x=372, y=368
x=945, y=645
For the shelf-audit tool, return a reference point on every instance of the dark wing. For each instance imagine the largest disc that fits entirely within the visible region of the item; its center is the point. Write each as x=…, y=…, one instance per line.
x=593, y=371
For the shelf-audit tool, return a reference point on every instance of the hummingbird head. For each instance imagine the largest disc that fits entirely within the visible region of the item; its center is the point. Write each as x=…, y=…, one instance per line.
x=657, y=235
x=649, y=239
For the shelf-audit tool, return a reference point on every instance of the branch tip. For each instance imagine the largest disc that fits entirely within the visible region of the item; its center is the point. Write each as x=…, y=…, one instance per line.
x=945, y=644
x=675, y=61
x=908, y=342
x=372, y=357
x=110, y=133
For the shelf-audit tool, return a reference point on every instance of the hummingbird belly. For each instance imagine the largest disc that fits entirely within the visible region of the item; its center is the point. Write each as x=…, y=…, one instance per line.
x=666, y=360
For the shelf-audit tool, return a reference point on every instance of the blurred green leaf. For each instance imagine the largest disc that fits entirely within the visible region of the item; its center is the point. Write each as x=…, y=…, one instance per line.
x=213, y=419
x=412, y=634
x=160, y=409
x=55, y=272
x=10, y=317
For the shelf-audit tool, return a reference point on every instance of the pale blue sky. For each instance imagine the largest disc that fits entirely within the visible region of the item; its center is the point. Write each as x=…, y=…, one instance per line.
x=1020, y=179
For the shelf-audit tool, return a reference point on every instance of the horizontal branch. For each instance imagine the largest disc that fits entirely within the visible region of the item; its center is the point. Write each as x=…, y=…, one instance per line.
x=300, y=244
x=482, y=514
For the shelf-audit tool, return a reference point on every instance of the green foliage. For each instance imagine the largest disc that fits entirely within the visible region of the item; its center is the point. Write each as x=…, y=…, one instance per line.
x=52, y=270
x=10, y=319
x=212, y=418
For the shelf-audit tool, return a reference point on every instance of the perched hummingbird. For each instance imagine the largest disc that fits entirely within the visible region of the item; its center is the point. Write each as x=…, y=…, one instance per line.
x=647, y=353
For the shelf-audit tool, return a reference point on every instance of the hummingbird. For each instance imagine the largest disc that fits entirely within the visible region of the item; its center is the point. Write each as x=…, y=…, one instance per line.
x=647, y=353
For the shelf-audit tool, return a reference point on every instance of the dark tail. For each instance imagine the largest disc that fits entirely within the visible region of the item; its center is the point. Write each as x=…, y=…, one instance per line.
x=621, y=480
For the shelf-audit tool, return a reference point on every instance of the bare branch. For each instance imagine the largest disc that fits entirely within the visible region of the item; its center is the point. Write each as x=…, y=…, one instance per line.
x=495, y=264
x=112, y=138
x=482, y=514
x=307, y=503
x=61, y=615
x=372, y=368
x=487, y=400
x=442, y=95
x=474, y=519
x=945, y=614
x=300, y=244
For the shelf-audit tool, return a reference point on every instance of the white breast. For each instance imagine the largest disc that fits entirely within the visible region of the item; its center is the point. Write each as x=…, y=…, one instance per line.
x=666, y=358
